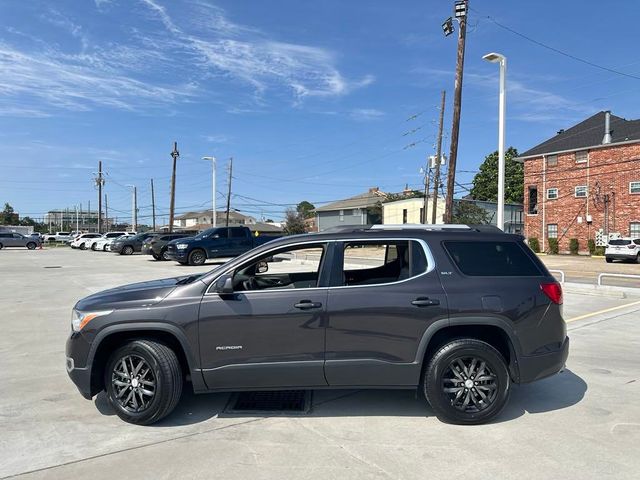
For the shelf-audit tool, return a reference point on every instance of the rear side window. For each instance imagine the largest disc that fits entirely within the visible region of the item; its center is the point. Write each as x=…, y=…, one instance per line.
x=619, y=242
x=237, y=233
x=491, y=259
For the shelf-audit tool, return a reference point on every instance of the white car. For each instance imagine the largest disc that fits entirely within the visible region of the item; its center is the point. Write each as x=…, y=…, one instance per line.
x=84, y=241
x=56, y=237
x=100, y=243
x=623, y=249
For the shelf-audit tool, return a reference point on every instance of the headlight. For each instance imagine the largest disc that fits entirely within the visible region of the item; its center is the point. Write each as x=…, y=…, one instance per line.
x=181, y=246
x=80, y=319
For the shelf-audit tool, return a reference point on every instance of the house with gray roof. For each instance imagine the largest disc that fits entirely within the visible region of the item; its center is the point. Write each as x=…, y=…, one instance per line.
x=362, y=209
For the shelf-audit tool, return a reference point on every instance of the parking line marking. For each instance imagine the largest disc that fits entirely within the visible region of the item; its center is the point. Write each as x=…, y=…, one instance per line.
x=599, y=312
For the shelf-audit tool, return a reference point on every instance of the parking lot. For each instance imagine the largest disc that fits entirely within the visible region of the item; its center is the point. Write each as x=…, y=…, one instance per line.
x=583, y=423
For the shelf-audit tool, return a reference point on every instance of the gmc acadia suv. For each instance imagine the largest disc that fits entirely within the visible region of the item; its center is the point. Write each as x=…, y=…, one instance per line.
x=457, y=312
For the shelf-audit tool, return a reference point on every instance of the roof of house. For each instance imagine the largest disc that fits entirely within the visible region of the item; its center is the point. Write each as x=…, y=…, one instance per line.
x=364, y=200
x=588, y=133
x=264, y=227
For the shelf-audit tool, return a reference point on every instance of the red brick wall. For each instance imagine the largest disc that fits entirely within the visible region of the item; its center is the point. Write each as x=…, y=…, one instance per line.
x=608, y=171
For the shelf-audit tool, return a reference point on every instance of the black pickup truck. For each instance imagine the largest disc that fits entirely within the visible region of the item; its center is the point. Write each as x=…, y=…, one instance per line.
x=215, y=242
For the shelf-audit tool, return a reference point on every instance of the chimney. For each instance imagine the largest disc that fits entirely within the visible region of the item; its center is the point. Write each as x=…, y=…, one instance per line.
x=607, y=128
x=374, y=190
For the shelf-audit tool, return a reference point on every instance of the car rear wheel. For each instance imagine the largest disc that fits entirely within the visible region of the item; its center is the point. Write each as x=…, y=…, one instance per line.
x=127, y=250
x=31, y=245
x=143, y=380
x=164, y=255
x=1, y=245
x=467, y=382
x=197, y=257
x=638, y=258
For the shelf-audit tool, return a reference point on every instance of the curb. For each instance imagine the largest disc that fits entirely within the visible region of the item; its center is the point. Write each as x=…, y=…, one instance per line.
x=600, y=290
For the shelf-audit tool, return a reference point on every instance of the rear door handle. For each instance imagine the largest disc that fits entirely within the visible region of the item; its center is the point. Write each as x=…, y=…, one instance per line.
x=307, y=304
x=425, y=302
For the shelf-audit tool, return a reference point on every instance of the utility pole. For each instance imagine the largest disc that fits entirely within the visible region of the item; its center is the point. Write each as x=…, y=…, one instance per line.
x=89, y=217
x=427, y=173
x=175, y=154
x=436, y=179
x=153, y=206
x=461, y=9
x=100, y=183
x=106, y=213
x=134, y=208
x=77, y=221
x=229, y=191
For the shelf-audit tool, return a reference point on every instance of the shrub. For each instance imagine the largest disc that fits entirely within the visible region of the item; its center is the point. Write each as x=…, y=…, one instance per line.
x=553, y=246
x=574, y=246
x=591, y=244
x=599, y=251
x=534, y=244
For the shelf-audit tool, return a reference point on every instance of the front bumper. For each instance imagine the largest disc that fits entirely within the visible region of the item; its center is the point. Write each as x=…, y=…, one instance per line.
x=537, y=367
x=77, y=350
x=178, y=255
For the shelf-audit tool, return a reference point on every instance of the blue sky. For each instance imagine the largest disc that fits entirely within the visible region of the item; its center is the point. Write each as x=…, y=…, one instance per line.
x=310, y=98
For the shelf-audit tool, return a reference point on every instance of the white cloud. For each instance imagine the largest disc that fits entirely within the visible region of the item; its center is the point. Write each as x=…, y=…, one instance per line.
x=216, y=138
x=366, y=114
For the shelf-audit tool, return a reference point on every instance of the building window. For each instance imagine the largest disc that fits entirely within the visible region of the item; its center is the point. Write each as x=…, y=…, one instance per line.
x=552, y=160
x=355, y=212
x=342, y=215
x=533, y=201
x=634, y=187
x=582, y=156
x=404, y=215
x=634, y=229
x=581, y=191
x=552, y=230
x=552, y=193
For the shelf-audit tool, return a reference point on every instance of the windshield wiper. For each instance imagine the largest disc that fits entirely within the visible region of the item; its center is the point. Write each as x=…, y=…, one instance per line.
x=188, y=279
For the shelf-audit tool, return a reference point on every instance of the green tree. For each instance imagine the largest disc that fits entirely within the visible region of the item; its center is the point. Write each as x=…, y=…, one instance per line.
x=7, y=215
x=466, y=212
x=306, y=209
x=294, y=222
x=485, y=183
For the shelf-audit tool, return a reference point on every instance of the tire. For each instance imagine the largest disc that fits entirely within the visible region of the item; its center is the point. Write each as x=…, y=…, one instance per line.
x=104, y=248
x=155, y=256
x=183, y=263
x=31, y=246
x=93, y=246
x=1, y=246
x=197, y=257
x=638, y=258
x=439, y=375
x=127, y=250
x=163, y=380
x=609, y=260
x=164, y=255
x=83, y=246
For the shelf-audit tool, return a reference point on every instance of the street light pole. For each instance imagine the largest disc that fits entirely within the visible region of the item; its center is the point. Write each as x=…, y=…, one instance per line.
x=502, y=60
x=213, y=190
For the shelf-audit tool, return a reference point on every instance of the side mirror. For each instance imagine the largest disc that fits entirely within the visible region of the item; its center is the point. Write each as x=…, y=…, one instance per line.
x=262, y=267
x=224, y=284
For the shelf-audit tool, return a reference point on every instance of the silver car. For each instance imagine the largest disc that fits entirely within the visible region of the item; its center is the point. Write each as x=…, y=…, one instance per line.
x=9, y=239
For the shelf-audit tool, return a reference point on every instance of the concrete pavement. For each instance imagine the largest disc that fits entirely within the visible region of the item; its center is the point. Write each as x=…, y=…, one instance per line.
x=581, y=424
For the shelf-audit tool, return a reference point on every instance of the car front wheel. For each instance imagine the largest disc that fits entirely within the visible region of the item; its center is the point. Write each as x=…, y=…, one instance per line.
x=31, y=245
x=467, y=382
x=197, y=257
x=143, y=380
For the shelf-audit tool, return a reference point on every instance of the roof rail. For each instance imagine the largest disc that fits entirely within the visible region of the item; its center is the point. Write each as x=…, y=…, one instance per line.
x=420, y=226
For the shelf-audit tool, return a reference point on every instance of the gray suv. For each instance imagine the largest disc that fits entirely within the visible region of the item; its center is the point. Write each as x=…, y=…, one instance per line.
x=457, y=312
x=10, y=239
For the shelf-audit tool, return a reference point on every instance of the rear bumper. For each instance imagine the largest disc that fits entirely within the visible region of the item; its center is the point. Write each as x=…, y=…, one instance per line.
x=620, y=256
x=537, y=367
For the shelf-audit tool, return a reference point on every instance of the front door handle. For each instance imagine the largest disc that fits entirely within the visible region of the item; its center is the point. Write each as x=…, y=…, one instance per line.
x=307, y=304
x=425, y=302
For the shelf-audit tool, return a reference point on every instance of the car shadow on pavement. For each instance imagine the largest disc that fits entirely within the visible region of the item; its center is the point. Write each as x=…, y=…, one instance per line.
x=555, y=393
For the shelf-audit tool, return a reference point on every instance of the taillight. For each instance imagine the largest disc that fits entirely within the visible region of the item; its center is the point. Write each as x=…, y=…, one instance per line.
x=553, y=291
x=631, y=247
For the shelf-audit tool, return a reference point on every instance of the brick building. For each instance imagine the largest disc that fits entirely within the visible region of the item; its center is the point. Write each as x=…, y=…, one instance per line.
x=584, y=180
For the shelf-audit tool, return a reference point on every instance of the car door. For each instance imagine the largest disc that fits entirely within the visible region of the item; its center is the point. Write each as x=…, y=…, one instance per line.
x=18, y=240
x=240, y=241
x=384, y=295
x=270, y=331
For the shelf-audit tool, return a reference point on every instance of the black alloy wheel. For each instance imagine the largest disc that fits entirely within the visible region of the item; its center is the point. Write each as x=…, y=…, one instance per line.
x=143, y=381
x=467, y=382
x=31, y=245
x=164, y=255
x=197, y=257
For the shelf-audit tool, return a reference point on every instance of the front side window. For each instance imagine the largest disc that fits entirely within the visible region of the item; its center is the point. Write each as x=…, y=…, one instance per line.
x=491, y=259
x=552, y=193
x=286, y=268
x=383, y=261
x=634, y=187
x=552, y=230
x=581, y=191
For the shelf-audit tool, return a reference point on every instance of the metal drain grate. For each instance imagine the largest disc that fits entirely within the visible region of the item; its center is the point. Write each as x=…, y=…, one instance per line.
x=283, y=401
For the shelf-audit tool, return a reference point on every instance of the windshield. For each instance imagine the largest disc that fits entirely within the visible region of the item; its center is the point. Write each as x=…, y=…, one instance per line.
x=619, y=242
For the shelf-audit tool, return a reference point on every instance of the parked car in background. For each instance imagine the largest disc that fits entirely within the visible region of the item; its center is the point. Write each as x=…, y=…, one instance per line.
x=627, y=249
x=214, y=243
x=157, y=246
x=128, y=245
x=459, y=314
x=11, y=239
x=57, y=237
x=101, y=242
x=83, y=241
